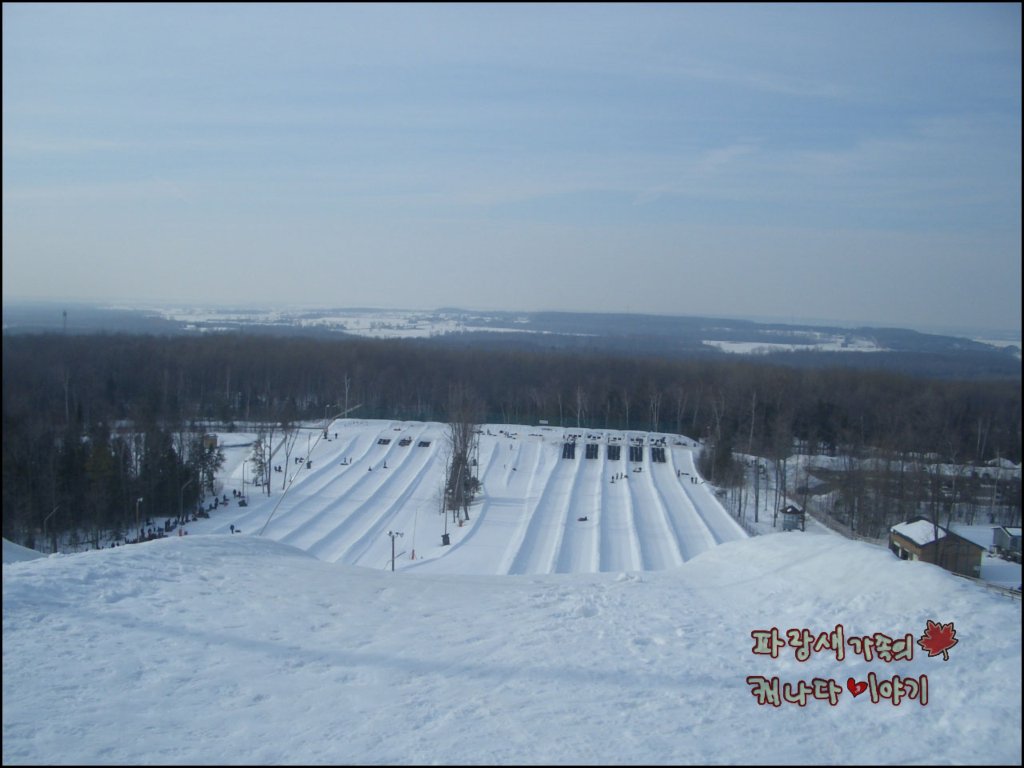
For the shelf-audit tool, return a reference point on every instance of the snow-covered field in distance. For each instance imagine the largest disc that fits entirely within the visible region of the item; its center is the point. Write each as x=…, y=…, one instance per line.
x=675, y=334
x=401, y=323
x=1016, y=345
x=368, y=323
x=397, y=323
x=236, y=649
x=833, y=344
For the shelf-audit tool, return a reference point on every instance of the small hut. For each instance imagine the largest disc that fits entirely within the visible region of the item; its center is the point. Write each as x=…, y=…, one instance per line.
x=792, y=519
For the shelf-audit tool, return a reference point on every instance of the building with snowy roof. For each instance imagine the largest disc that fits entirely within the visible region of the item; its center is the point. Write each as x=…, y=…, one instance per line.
x=1006, y=540
x=919, y=539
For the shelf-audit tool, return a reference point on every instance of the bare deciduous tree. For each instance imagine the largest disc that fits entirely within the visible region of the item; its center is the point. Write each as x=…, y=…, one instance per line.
x=463, y=417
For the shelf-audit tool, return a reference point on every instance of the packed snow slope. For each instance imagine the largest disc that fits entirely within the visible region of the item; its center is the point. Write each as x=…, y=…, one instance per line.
x=15, y=553
x=371, y=477
x=234, y=649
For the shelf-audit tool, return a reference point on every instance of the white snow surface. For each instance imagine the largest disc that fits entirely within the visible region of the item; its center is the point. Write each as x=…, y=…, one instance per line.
x=919, y=532
x=829, y=344
x=1002, y=343
x=526, y=520
x=534, y=637
x=982, y=535
x=235, y=649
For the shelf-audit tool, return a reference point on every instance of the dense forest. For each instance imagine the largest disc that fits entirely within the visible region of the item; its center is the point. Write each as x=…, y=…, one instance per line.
x=91, y=423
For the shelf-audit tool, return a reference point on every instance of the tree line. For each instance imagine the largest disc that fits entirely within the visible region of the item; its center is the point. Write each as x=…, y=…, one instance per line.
x=68, y=401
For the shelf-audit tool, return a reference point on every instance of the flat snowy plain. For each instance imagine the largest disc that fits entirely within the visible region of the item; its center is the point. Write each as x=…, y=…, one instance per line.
x=213, y=648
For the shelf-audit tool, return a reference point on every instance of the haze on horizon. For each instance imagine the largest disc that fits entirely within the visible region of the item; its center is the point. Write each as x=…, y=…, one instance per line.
x=858, y=163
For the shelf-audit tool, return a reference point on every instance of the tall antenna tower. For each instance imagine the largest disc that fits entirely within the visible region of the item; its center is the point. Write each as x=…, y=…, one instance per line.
x=65, y=322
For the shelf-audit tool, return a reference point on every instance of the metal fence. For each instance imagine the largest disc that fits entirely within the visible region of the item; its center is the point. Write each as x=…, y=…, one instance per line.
x=844, y=530
x=751, y=531
x=1013, y=594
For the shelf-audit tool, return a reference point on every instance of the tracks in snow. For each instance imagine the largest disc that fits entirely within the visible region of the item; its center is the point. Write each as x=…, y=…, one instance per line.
x=527, y=521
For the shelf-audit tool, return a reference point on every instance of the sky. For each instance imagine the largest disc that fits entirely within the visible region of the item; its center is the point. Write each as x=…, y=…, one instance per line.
x=853, y=163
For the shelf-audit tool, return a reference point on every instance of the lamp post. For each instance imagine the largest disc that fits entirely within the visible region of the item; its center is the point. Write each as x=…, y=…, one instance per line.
x=137, y=502
x=44, y=525
x=444, y=513
x=181, y=499
x=393, y=534
x=325, y=418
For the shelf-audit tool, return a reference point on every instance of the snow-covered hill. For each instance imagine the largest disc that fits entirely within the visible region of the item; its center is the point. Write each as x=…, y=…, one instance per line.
x=640, y=515
x=15, y=553
x=235, y=649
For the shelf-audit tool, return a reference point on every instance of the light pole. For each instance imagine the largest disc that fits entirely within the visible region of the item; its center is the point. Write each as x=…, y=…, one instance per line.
x=44, y=525
x=393, y=534
x=325, y=418
x=181, y=500
x=444, y=513
x=137, y=502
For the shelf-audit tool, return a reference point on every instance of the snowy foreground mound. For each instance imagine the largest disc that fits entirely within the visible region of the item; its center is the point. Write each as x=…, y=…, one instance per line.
x=15, y=553
x=233, y=649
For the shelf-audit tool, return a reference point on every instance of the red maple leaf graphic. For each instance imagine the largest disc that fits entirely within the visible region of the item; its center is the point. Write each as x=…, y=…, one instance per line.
x=938, y=638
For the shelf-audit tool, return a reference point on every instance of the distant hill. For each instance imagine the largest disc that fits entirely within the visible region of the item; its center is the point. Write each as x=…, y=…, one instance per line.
x=675, y=337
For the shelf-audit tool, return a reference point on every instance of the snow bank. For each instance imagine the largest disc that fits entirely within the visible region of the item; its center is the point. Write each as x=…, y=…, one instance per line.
x=233, y=649
x=15, y=553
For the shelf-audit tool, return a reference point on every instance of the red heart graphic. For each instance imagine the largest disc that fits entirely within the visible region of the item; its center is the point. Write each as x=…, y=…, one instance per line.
x=856, y=688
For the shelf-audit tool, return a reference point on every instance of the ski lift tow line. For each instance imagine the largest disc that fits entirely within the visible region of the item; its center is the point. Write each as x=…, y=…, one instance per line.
x=274, y=510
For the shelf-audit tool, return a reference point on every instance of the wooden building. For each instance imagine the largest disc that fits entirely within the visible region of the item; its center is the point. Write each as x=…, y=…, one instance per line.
x=916, y=540
x=793, y=519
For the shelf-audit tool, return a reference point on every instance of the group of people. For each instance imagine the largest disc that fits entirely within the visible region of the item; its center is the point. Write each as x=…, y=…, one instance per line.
x=153, y=531
x=149, y=534
x=213, y=505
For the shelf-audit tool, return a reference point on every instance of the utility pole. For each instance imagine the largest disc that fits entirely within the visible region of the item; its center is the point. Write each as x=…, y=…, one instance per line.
x=181, y=500
x=393, y=534
x=444, y=514
x=996, y=471
x=44, y=526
